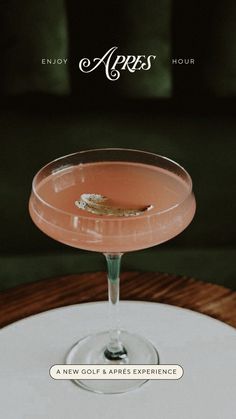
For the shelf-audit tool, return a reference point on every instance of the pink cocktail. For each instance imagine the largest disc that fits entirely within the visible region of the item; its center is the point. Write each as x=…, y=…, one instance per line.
x=141, y=200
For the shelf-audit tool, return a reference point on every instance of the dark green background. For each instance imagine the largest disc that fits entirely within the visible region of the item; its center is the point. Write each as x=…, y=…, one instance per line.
x=184, y=112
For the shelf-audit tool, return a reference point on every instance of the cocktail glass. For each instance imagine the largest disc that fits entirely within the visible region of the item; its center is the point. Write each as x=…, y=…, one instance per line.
x=156, y=189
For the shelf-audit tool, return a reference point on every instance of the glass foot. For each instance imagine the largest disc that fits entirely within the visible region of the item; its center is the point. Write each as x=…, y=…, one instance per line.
x=91, y=350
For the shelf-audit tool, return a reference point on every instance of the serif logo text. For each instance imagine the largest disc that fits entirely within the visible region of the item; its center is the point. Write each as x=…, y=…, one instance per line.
x=114, y=64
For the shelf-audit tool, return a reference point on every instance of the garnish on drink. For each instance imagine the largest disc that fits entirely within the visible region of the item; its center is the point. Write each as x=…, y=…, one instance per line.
x=98, y=204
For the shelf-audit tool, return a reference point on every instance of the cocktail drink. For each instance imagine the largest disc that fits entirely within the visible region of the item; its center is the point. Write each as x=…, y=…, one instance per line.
x=112, y=201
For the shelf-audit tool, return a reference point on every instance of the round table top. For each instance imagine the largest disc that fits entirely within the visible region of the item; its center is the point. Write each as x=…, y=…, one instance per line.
x=206, y=298
x=204, y=347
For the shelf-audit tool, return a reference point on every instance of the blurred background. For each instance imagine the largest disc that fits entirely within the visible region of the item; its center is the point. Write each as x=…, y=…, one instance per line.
x=183, y=111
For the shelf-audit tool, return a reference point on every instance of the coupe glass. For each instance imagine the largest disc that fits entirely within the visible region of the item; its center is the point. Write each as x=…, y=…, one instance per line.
x=157, y=195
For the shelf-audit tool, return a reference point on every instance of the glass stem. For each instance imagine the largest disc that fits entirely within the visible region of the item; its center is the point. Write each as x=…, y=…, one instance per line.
x=115, y=350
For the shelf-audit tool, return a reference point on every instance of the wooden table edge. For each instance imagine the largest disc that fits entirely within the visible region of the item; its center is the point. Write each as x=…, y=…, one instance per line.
x=181, y=291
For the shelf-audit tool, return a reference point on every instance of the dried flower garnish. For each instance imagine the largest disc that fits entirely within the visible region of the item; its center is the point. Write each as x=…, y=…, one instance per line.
x=96, y=204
